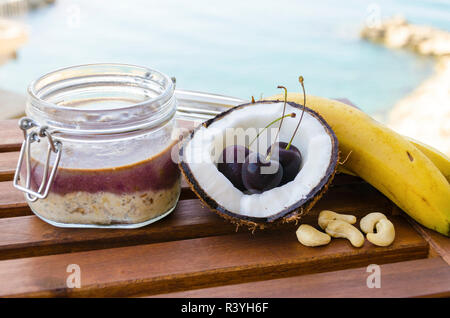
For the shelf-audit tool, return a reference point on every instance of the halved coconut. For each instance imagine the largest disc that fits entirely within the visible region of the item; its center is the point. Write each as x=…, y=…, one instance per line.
x=316, y=141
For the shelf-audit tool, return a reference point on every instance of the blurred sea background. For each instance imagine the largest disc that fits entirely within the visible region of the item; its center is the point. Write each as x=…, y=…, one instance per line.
x=237, y=48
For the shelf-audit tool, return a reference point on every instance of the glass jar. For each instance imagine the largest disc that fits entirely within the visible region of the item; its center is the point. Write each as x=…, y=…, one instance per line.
x=99, y=148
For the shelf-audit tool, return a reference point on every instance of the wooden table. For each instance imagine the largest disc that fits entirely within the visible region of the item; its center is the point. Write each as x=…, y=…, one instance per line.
x=194, y=253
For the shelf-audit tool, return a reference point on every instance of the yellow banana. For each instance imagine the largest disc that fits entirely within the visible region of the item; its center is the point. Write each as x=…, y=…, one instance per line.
x=386, y=160
x=440, y=160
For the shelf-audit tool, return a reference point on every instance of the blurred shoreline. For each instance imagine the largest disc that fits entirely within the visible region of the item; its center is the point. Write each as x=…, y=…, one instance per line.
x=424, y=114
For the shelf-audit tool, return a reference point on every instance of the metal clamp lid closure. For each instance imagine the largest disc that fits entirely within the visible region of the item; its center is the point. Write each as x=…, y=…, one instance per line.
x=54, y=146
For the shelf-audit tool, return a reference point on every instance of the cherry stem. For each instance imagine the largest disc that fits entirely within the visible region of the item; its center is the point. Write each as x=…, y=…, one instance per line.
x=300, y=79
x=284, y=111
x=270, y=124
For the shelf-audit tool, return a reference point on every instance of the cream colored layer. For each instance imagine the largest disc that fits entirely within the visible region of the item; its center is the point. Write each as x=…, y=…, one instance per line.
x=106, y=208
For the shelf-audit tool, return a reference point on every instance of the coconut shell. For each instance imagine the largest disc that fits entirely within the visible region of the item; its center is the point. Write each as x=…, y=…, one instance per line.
x=292, y=213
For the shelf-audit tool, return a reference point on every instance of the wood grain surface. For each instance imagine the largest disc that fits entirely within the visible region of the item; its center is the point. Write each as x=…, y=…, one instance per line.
x=29, y=236
x=11, y=136
x=12, y=201
x=195, y=263
x=8, y=162
x=345, y=283
x=439, y=243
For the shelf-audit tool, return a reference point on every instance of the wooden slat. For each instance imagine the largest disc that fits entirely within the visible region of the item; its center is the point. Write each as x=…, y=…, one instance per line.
x=11, y=136
x=12, y=201
x=417, y=278
x=344, y=179
x=197, y=263
x=29, y=236
x=8, y=162
x=438, y=242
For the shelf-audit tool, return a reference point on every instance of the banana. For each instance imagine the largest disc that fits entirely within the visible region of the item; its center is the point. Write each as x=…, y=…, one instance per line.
x=386, y=160
x=440, y=160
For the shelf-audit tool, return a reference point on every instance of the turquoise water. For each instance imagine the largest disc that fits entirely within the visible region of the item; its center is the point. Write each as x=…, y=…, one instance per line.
x=238, y=48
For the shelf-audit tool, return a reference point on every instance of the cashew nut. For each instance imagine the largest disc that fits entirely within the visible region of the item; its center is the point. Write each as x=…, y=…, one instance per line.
x=367, y=223
x=343, y=229
x=385, y=233
x=309, y=236
x=326, y=216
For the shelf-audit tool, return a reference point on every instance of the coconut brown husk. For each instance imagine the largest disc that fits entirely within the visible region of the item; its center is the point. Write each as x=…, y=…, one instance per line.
x=291, y=214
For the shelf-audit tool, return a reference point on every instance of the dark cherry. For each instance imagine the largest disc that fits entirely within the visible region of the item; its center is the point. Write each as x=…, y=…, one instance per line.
x=232, y=159
x=290, y=160
x=259, y=174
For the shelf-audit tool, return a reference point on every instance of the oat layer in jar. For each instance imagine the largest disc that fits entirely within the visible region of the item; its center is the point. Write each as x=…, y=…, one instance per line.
x=99, y=147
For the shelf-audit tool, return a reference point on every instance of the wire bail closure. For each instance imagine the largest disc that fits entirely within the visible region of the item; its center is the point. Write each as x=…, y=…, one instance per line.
x=54, y=146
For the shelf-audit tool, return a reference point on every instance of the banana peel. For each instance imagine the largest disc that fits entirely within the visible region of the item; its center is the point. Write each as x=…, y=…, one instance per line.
x=440, y=160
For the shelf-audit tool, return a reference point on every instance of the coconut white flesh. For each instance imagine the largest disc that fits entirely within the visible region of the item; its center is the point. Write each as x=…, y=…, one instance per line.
x=203, y=150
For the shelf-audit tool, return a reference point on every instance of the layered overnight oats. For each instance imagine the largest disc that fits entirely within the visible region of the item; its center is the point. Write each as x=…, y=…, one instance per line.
x=100, y=147
x=127, y=194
